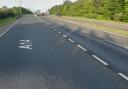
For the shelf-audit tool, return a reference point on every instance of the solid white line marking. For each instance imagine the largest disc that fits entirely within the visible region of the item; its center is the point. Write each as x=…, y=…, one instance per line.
x=8, y=29
x=100, y=60
x=71, y=40
x=124, y=76
x=81, y=47
x=117, y=44
x=64, y=36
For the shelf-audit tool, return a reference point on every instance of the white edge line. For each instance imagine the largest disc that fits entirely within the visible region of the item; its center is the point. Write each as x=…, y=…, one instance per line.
x=81, y=47
x=116, y=44
x=71, y=40
x=100, y=60
x=124, y=76
x=8, y=29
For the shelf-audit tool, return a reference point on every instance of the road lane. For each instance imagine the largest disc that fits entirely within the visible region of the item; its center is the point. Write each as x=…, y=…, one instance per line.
x=54, y=62
x=116, y=56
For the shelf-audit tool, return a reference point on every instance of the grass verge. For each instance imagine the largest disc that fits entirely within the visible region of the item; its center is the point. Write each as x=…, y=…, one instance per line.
x=6, y=21
x=95, y=24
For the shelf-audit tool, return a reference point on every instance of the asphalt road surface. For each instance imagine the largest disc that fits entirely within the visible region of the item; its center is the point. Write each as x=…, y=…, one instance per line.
x=35, y=55
x=114, y=55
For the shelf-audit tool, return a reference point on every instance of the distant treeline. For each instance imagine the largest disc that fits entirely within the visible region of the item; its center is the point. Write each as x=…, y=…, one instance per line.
x=11, y=12
x=97, y=9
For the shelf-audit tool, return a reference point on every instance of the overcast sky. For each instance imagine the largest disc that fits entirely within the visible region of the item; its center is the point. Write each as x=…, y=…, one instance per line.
x=43, y=5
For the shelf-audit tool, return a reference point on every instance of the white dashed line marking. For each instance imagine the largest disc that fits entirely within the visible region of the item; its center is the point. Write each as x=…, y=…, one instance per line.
x=123, y=76
x=84, y=32
x=71, y=40
x=81, y=47
x=100, y=60
x=55, y=26
x=59, y=32
x=64, y=36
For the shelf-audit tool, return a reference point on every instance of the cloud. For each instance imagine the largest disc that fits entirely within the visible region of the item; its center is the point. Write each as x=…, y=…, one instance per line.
x=43, y=5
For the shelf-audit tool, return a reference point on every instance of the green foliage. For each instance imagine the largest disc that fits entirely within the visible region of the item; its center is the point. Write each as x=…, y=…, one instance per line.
x=5, y=13
x=23, y=10
x=97, y=9
x=11, y=12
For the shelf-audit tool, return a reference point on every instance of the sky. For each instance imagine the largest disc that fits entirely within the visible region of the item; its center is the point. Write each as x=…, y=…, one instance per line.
x=34, y=5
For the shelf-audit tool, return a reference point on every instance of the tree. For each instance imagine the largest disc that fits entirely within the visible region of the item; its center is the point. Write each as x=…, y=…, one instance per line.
x=98, y=9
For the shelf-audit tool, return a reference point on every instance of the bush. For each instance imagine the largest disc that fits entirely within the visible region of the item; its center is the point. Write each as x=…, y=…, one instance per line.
x=117, y=16
x=91, y=15
x=125, y=17
x=100, y=17
x=4, y=13
x=11, y=12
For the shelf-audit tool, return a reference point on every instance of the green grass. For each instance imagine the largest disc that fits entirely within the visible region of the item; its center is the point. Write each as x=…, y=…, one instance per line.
x=100, y=20
x=117, y=31
x=105, y=28
x=6, y=21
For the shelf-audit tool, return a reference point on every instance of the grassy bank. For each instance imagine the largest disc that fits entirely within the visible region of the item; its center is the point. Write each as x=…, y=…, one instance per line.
x=117, y=27
x=7, y=21
x=95, y=20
